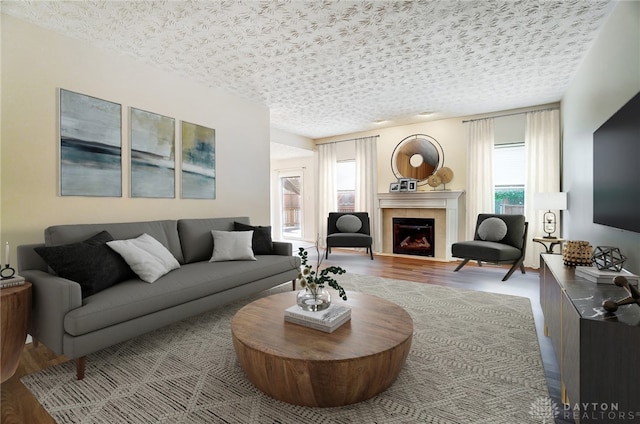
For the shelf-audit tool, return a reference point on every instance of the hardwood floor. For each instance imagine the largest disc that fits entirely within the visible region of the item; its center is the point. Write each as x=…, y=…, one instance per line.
x=19, y=406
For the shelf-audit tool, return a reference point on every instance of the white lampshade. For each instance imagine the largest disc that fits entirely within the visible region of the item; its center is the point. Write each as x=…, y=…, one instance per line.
x=550, y=201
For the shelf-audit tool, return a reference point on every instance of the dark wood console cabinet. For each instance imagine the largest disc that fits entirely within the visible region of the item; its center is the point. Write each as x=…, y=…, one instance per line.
x=598, y=352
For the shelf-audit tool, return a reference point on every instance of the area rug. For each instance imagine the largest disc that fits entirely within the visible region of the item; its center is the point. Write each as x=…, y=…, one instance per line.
x=474, y=359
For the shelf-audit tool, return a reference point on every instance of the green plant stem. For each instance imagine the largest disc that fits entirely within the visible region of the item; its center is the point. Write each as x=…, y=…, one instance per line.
x=313, y=279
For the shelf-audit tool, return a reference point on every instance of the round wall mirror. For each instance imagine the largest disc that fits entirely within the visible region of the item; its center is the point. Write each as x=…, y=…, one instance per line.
x=417, y=157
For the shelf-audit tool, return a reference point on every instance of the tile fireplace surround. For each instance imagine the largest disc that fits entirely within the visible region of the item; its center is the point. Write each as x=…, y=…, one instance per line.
x=445, y=206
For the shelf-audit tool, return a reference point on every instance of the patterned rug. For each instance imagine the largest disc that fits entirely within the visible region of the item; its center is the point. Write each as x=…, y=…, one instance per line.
x=474, y=359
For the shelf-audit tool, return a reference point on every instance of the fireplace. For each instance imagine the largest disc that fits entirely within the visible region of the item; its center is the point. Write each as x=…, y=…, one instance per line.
x=414, y=236
x=446, y=207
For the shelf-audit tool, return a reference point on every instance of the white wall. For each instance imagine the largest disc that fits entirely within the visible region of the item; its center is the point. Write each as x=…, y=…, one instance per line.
x=606, y=80
x=292, y=140
x=510, y=129
x=36, y=63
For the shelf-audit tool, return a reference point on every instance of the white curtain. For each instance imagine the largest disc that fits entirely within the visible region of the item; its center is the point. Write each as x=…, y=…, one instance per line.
x=367, y=183
x=327, y=195
x=480, y=191
x=542, y=152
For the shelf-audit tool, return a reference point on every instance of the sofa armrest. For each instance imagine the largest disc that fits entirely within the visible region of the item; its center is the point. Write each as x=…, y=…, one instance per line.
x=28, y=258
x=52, y=298
x=282, y=248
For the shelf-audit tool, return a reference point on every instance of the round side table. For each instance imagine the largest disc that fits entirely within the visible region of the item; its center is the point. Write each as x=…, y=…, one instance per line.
x=552, y=242
x=16, y=312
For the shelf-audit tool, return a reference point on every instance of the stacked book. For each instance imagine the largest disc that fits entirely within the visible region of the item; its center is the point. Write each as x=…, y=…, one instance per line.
x=596, y=275
x=327, y=320
x=11, y=282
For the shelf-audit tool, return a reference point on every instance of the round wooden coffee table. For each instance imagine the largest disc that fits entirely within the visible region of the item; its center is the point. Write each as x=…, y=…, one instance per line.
x=303, y=366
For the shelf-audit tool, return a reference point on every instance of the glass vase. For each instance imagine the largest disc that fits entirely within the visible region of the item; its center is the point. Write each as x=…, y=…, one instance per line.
x=314, y=300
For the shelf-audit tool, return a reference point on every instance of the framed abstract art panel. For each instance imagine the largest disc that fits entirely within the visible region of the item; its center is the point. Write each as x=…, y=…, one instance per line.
x=198, y=162
x=153, y=161
x=90, y=146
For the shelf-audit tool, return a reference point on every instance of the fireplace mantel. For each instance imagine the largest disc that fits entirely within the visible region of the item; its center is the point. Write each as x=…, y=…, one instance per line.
x=450, y=200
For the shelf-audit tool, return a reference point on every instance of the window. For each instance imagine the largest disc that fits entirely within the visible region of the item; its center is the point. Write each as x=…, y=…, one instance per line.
x=346, y=185
x=291, y=206
x=508, y=177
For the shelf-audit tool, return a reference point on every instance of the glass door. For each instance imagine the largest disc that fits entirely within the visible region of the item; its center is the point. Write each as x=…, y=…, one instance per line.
x=291, y=206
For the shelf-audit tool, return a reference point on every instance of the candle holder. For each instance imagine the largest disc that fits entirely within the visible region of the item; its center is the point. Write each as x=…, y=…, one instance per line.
x=7, y=272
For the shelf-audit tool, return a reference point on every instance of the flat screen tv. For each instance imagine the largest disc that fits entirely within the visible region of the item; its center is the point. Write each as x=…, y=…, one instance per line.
x=616, y=169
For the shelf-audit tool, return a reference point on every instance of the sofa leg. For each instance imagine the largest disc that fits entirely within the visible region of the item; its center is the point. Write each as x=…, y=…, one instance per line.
x=80, y=365
x=293, y=284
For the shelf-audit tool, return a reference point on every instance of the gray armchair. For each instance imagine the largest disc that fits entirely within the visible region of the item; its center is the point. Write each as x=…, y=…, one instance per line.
x=348, y=229
x=498, y=239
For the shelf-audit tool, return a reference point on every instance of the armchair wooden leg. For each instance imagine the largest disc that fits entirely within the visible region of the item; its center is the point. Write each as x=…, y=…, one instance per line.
x=506, y=277
x=461, y=265
x=517, y=264
x=370, y=250
x=80, y=366
x=326, y=252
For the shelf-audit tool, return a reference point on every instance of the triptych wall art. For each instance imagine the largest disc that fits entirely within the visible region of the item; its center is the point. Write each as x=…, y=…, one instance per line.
x=91, y=152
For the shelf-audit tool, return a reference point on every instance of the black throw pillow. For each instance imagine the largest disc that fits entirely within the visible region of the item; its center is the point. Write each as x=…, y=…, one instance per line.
x=261, y=243
x=90, y=263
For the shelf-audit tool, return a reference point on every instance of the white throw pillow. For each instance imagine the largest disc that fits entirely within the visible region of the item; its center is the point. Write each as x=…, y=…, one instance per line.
x=232, y=246
x=146, y=256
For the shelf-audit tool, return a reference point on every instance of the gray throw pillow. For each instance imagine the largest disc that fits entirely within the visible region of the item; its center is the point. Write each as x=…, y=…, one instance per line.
x=232, y=246
x=349, y=224
x=492, y=229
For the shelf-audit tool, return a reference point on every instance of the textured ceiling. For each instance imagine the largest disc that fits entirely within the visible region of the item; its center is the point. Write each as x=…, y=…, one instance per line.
x=334, y=67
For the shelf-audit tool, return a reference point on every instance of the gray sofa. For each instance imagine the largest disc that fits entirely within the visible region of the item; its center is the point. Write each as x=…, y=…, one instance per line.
x=74, y=326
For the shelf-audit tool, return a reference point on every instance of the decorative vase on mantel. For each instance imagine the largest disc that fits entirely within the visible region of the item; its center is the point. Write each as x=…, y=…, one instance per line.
x=314, y=300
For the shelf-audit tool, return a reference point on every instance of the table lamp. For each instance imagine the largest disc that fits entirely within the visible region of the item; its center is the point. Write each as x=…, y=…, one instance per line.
x=550, y=201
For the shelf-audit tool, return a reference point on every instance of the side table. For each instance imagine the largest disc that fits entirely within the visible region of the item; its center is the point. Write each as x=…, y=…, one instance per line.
x=552, y=242
x=16, y=312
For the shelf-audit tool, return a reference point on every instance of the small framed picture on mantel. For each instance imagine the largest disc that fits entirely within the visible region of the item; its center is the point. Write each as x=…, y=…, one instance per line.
x=394, y=187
